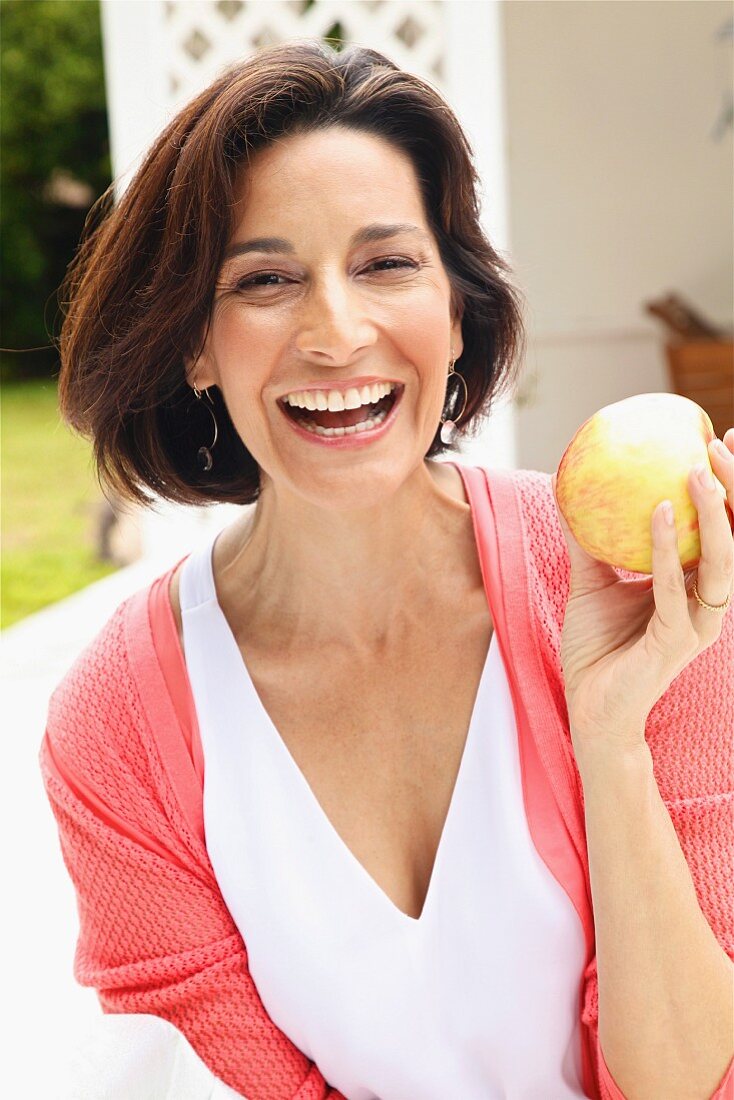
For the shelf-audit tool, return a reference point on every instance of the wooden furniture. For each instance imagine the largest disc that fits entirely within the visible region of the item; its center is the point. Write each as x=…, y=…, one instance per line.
x=703, y=370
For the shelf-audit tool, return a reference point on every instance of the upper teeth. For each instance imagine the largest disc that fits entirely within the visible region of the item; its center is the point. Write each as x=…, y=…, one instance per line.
x=335, y=400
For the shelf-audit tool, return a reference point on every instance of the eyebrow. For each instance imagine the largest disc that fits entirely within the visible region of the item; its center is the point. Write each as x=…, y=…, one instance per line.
x=367, y=235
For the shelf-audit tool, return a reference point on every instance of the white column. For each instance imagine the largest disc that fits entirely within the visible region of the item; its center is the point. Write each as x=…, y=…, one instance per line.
x=476, y=91
x=133, y=43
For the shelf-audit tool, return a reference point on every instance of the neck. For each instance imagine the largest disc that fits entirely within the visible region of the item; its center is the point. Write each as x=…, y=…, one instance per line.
x=356, y=580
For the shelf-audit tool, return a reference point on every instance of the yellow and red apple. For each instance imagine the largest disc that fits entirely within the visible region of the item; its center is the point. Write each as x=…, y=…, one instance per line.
x=621, y=463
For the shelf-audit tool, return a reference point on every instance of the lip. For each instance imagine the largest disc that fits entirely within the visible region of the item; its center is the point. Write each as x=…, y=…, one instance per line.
x=334, y=384
x=356, y=439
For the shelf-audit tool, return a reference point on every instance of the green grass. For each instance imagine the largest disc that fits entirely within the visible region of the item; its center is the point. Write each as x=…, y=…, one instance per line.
x=49, y=504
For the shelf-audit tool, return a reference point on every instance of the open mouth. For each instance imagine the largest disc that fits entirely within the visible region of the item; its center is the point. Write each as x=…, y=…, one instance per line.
x=344, y=421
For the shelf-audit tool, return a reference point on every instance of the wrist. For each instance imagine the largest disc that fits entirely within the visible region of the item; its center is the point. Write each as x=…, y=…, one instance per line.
x=605, y=755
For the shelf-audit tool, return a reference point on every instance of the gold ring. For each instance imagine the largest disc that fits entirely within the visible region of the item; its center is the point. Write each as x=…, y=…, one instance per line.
x=711, y=606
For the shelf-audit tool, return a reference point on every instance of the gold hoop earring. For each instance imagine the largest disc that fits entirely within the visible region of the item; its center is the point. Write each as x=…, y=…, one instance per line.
x=204, y=454
x=448, y=427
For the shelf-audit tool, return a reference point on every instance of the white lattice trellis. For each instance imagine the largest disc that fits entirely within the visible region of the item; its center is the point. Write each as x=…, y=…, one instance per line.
x=160, y=53
x=203, y=36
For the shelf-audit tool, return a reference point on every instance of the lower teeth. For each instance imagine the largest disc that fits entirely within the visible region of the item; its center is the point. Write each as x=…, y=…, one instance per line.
x=365, y=426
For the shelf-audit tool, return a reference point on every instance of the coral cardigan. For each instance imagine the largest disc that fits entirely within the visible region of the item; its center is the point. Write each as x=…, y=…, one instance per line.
x=123, y=770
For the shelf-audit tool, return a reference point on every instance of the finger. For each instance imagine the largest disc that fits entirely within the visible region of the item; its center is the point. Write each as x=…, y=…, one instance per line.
x=716, y=566
x=670, y=637
x=721, y=455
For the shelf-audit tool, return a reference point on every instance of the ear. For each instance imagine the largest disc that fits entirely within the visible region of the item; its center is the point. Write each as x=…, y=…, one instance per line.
x=457, y=342
x=200, y=370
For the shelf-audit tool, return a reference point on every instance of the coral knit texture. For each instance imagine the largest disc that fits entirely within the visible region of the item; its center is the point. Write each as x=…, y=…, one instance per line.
x=155, y=935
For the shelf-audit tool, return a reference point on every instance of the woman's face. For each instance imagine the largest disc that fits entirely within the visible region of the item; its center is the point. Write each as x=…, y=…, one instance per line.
x=331, y=307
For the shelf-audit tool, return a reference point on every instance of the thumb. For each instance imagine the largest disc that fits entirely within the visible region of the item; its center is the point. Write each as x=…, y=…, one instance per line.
x=586, y=571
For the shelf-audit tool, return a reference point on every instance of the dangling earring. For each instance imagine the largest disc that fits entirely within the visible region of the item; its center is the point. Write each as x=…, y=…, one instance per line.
x=448, y=427
x=204, y=454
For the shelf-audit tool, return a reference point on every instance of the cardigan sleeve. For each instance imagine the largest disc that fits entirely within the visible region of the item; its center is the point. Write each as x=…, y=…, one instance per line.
x=689, y=734
x=609, y=1089
x=696, y=789
x=155, y=935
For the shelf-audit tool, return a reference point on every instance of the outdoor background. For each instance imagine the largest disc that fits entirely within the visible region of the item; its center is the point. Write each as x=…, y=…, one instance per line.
x=602, y=132
x=54, y=161
x=618, y=118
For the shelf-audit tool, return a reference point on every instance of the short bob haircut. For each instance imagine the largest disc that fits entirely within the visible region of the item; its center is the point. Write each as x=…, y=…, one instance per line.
x=139, y=292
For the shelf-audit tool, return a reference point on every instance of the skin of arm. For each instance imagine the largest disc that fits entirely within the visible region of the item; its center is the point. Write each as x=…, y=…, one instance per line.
x=666, y=986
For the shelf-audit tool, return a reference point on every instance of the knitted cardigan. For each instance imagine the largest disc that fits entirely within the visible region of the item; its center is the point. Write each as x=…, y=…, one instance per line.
x=123, y=769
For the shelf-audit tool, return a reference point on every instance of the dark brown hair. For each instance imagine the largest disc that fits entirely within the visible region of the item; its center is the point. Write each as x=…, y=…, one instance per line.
x=139, y=292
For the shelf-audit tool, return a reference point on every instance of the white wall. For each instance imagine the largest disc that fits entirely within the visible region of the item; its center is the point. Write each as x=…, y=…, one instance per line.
x=617, y=194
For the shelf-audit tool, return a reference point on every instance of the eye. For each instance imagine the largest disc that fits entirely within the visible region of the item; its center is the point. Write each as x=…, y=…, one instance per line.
x=257, y=280
x=399, y=260
x=251, y=280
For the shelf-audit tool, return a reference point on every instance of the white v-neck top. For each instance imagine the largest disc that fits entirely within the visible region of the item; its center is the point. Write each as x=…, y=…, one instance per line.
x=479, y=997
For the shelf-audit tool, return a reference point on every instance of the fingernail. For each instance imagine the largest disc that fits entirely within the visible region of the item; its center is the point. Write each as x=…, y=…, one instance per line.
x=703, y=473
x=722, y=450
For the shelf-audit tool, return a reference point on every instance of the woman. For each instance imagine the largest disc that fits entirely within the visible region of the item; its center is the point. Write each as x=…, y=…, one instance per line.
x=339, y=791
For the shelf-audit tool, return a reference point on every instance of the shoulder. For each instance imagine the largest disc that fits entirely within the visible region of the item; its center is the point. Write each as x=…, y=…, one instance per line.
x=95, y=710
x=532, y=493
x=526, y=519
x=114, y=753
x=544, y=537
x=99, y=674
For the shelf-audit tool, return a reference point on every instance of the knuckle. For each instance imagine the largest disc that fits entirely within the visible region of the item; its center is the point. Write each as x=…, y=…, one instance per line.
x=670, y=646
x=672, y=581
x=726, y=565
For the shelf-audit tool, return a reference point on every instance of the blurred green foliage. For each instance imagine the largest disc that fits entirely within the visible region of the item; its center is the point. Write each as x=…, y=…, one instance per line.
x=51, y=504
x=52, y=121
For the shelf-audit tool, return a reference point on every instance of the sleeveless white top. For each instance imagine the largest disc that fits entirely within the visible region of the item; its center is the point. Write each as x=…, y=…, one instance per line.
x=478, y=998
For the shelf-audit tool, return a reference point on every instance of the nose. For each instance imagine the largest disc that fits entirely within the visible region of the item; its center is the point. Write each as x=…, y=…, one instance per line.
x=335, y=325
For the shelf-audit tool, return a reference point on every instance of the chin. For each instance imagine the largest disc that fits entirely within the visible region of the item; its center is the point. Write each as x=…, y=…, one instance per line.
x=357, y=486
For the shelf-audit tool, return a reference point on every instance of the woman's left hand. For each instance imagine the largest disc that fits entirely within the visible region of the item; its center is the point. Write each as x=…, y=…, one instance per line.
x=625, y=641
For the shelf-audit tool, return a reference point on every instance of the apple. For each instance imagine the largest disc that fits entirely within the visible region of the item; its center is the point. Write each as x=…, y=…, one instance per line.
x=621, y=463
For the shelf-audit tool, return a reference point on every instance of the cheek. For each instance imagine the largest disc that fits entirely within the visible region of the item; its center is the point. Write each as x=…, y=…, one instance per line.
x=427, y=347
x=245, y=356
x=236, y=328
x=424, y=336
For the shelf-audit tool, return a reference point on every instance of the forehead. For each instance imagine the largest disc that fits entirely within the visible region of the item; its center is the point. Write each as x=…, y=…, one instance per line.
x=334, y=177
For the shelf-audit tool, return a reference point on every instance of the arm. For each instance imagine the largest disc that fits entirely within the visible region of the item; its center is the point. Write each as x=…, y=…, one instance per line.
x=155, y=935
x=666, y=986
